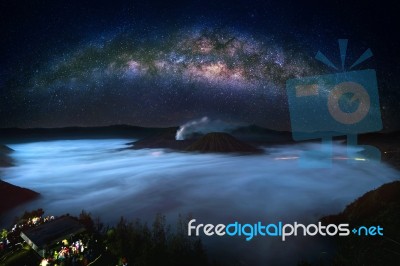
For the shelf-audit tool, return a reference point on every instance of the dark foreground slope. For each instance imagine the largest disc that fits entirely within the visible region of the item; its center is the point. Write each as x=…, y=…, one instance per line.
x=377, y=207
x=10, y=195
x=5, y=160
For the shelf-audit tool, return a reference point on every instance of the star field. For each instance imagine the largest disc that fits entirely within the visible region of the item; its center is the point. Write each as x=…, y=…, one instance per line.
x=195, y=71
x=159, y=64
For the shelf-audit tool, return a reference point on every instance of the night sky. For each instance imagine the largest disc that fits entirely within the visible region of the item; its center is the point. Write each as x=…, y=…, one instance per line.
x=149, y=63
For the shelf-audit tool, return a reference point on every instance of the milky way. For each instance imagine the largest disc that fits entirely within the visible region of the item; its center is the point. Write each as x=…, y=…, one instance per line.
x=157, y=63
x=167, y=79
x=211, y=57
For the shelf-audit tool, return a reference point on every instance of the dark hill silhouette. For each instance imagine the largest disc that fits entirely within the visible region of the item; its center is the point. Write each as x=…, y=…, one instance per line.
x=5, y=160
x=10, y=195
x=377, y=207
x=221, y=142
x=33, y=134
x=5, y=149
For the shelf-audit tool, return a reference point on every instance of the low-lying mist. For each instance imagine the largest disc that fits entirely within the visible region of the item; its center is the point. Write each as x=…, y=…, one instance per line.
x=102, y=178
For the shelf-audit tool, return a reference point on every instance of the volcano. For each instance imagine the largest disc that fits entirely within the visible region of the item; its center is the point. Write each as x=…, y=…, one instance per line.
x=221, y=143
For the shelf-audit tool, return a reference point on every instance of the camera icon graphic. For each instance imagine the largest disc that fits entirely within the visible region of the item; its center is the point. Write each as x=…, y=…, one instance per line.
x=339, y=104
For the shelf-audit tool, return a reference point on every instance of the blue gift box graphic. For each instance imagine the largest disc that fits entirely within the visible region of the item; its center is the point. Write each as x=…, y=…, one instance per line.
x=338, y=104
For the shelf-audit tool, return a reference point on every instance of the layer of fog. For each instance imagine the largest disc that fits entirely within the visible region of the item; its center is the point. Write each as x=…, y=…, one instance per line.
x=102, y=178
